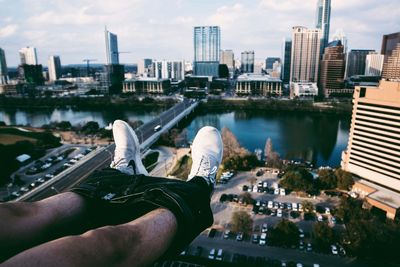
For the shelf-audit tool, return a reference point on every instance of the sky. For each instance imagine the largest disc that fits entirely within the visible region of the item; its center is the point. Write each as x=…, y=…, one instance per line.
x=163, y=29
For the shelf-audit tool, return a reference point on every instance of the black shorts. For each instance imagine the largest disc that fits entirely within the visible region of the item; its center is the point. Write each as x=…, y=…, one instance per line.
x=116, y=198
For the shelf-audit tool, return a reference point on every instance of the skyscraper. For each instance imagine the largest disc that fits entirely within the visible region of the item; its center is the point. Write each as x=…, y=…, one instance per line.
x=391, y=68
x=3, y=68
x=391, y=51
x=356, y=62
x=322, y=20
x=374, y=64
x=207, y=48
x=286, y=60
x=373, y=149
x=144, y=67
x=228, y=58
x=389, y=43
x=112, y=55
x=54, y=65
x=305, y=54
x=247, y=65
x=269, y=62
x=332, y=69
x=339, y=35
x=28, y=56
x=173, y=70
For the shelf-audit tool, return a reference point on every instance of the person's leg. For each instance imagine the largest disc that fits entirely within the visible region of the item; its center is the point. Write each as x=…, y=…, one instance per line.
x=26, y=224
x=137, y=243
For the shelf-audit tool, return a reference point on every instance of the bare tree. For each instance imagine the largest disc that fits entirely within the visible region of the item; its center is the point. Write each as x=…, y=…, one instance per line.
x=231, y=144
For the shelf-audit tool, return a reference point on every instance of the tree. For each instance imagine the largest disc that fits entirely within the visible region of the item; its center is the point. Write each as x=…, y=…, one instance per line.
x=272, y=158
x=231, y=144
x=323, y=236
x=344, y=179
x=90, y=127
x=298, y=180
x=241, y=222
x=308, y=206
x=285, y=234
x=247, y=199
x=327, y=179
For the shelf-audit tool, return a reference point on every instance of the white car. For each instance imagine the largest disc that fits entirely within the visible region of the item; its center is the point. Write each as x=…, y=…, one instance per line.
x=255, y=189
x=300, y=207
x=263, y=239
x=294, y=206
x=276, y=191
x=211, y=255
x=334, y=250
x=264, y=228
x=301, y=233
x=265, y=185
x=319, y=218
x=220, y=255
x=270, y=204
x=279, y=213
x=282, y=192
x=327, y=210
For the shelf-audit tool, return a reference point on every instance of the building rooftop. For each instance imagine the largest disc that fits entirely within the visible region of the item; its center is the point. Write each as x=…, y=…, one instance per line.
x=383, y=195
x=257, y=77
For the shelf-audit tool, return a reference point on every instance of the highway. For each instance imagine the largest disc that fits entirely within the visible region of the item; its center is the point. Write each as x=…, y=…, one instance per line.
x=103, y=158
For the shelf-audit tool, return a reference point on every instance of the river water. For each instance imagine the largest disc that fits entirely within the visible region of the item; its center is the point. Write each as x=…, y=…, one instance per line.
x=318, y=138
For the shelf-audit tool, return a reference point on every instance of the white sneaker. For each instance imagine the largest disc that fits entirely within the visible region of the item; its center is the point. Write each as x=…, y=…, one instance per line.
x=207, y=149
x=127, y=151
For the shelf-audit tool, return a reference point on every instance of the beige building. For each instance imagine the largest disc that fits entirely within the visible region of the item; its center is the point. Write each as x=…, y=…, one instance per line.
x=258, y=85
x=374, y=64
x=227, y=57
x=373, y=151
x=147, y=86
x=391, y=68
x=305, y=54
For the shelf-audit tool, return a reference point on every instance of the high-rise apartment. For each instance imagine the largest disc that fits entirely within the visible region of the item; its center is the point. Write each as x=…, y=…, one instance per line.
x=54, y=66
x=322, y=20
x=112, y=55
x=173, y=70
x=391, y=68
x=373, y=151
x=28, y=56
x=374, y=64
x=339, y=35
x=305, y=54
x=3, y=68
x=286, y=60
x=391, y=51
x=228, y=58
x=389, y=43
x=356, y=61
x=247, y=62
x=207, y=48
x=332, y=69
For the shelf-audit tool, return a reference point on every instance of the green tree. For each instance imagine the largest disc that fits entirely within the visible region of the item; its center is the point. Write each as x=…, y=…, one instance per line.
x=90, y=127
x=344, y=179
x=298, y=180
x=327, y=179
x=285, y=234
x=241, y=222
x=308, y=206
x=322, y=236
x=247, y=198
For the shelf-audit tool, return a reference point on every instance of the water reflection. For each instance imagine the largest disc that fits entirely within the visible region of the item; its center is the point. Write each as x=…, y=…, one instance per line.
x=37, y=118
x=294, y=135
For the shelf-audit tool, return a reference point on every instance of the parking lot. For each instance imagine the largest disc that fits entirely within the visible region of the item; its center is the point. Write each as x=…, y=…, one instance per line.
x=269, y=207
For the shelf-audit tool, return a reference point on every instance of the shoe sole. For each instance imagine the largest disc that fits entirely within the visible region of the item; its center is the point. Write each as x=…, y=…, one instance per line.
x=138, y=158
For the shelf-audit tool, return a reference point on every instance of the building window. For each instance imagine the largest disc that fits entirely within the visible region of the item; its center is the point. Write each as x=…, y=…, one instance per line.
x=363, y=90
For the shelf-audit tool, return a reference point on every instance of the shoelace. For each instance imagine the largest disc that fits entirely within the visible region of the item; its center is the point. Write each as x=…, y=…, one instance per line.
x=205, y=169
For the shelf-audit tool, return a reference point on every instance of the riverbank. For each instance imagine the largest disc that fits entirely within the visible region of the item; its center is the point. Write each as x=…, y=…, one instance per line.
x=88, y=103
x=337, y=108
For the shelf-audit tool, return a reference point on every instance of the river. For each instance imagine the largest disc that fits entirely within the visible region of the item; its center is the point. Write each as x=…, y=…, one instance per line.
x=318, y=138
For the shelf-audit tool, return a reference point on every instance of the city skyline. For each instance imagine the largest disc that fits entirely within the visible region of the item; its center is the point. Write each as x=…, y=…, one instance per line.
x=74, y=31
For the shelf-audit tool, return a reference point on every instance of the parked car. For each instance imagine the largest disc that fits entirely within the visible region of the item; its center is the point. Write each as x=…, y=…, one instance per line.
x=239, y=236
x=226, y=234
x=263, y=239
x=264, y=228
x=211, y=255
x=212, y=232
x=220, y=255
x=320, y=218
x=254, y=238
x=301, y=233
x=334, y=250
x=276, y=191
x=327, y=210
x=279, y=213
x=270, y=204
x=282, y=192
x=309, y=247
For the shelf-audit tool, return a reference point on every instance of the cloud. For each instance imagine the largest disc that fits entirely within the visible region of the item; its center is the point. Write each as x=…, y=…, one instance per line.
x=8, y=30
x=74, y=29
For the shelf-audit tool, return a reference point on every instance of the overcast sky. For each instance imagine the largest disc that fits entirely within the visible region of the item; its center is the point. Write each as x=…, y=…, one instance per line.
x=163, y=29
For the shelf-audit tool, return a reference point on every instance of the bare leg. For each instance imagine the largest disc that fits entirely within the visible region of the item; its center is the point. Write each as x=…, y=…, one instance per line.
x=137, y=243
x=27, y=224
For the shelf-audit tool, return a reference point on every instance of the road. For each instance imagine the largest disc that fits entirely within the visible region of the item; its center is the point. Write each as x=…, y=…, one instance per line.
x=103, y=158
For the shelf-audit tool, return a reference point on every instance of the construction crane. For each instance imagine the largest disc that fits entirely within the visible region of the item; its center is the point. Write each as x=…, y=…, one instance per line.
x=88, y=64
